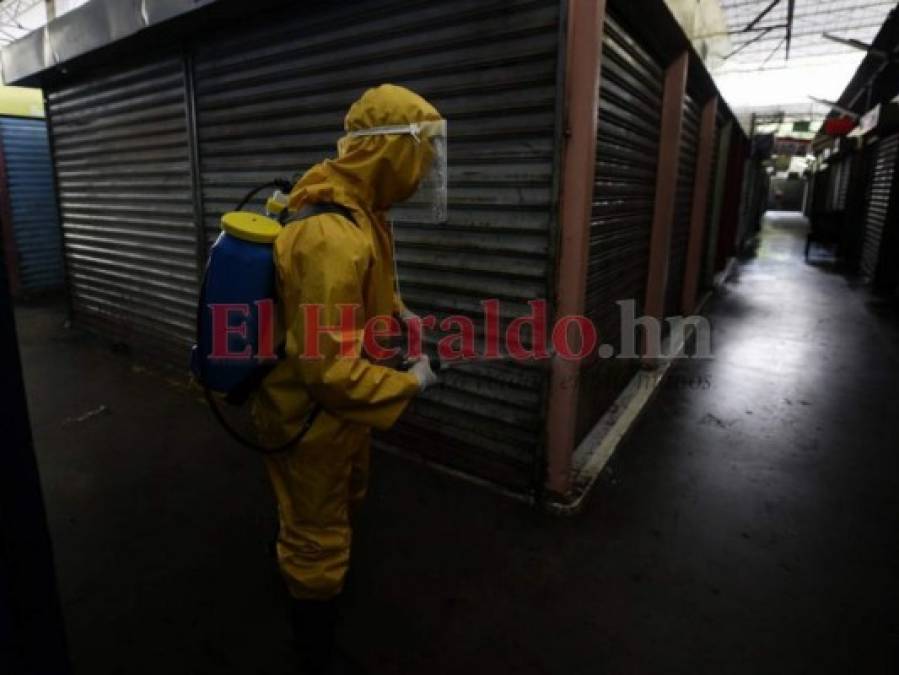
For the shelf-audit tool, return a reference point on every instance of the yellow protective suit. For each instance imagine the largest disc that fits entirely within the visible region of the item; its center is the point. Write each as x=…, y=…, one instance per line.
x=330, y=261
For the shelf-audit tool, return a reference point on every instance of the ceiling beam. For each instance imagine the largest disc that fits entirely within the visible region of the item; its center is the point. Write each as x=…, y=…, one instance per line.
x=762, y=15
x=816, y=32
x=773, y=52
x=836, y=106
x=747, y=43
x=791, y=7
x=856, y=44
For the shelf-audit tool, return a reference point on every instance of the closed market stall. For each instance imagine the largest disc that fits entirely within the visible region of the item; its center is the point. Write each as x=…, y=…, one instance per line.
x=878, y=261
x=151, y=146
x=683, y=210
x=28, y=213
x=627, y=149
x=491, y=68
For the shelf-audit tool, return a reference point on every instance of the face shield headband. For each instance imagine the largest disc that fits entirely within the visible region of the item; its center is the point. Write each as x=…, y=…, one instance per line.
x=429, y=202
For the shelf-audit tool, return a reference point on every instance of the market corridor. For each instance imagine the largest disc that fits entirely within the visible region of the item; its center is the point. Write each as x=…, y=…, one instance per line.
x=748, y=525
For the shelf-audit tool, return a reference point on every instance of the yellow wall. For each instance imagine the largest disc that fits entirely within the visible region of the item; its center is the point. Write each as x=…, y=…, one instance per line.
x=21, y=102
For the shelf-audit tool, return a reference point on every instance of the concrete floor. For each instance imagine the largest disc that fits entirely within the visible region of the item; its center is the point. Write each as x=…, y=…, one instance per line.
x=748, y=525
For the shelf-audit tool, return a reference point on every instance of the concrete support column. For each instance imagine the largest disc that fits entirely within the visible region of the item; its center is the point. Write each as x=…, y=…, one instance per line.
x=666, y=190
x=584, y=48
x=704, y=158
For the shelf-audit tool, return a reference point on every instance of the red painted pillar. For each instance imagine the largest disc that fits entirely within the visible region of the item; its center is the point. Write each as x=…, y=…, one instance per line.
x=584, y=48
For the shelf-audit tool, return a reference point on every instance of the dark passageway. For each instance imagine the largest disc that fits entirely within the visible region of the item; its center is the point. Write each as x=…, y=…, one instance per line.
x=209, y=236
x=747, y=526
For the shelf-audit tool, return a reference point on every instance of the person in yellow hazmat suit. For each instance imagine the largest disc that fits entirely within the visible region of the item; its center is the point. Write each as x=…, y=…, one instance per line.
x=394, y=148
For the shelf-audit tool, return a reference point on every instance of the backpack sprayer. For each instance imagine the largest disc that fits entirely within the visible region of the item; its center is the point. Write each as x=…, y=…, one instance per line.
x=240, y=273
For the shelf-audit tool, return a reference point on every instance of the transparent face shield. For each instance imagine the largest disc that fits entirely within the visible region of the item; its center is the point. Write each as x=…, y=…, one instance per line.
x=429, y=202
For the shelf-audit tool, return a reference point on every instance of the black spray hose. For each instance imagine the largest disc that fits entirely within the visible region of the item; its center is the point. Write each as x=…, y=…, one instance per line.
x=279, y=184
x=216, y=411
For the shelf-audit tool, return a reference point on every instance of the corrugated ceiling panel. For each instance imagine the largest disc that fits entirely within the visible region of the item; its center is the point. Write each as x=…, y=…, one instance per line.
x=121, y=151
x=29, y=172
x=271, y=103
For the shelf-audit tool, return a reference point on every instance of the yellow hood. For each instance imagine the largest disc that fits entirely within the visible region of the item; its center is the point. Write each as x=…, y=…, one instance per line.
x=379, y=171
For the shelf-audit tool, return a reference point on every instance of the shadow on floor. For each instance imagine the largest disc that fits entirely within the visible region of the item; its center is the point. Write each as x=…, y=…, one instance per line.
x=748, y=525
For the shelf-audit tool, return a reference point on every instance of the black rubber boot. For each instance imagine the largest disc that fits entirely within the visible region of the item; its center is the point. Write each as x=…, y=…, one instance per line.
x=313, y=623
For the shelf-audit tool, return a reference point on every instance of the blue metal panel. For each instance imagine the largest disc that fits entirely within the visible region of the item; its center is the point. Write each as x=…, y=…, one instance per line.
x=33, y=202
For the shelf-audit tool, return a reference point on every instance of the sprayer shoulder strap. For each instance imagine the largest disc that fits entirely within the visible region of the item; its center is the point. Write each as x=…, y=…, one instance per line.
x=321, y=208
x=242, y=391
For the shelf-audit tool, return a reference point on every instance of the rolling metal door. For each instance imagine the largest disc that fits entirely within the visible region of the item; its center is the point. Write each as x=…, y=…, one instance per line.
x=271, y=103
x=713, y=174
x=855, y=209
x=717, y=193
x=683, y=208
x=879, y=205
x=29, y=182
x=838, y=184
x=630, y=102
x=121, y=150
x=841, y=188
x=833, y=177
x=710, y=224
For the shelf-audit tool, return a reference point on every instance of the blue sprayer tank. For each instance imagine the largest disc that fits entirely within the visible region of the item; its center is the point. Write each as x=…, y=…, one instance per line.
x=239, y=272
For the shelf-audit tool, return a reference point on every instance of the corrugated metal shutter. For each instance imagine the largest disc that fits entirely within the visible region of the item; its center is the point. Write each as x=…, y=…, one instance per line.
x=717, y=191
x=821, y=191
x=713, y=184
x=713, y=172
x=271, y=103
x=683, y=207
x=123, y=173
x=879, y=203
x=29, y=177
x=853, y=226
x=838, y=184
x=843, y=184
x=630, y=103
x=832, y=181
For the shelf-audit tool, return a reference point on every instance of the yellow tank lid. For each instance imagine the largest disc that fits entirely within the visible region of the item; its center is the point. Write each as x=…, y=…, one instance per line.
x=250, y=227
